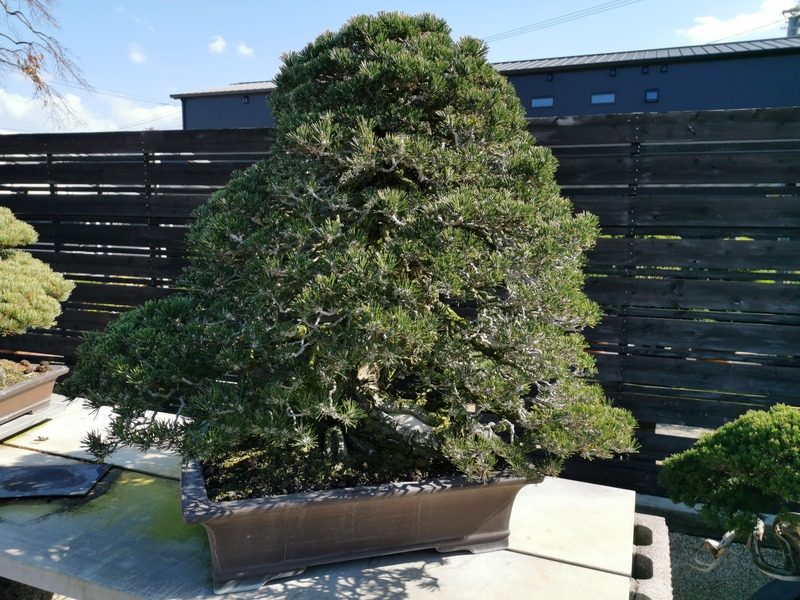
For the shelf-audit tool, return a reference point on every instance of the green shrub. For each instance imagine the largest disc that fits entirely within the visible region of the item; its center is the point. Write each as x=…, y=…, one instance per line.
x=746, y=468
x=398, y=285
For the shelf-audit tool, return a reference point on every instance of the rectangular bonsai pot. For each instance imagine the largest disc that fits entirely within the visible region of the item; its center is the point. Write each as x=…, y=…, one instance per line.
x=254, y=541
x=29, y=396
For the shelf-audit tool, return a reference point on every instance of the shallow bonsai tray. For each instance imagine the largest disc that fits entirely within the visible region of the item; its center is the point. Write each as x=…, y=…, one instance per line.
x=29, y=397
x=254, y=541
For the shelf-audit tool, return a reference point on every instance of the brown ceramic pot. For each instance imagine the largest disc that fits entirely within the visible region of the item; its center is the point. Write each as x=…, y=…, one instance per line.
x=29, y=396
x=253, y=541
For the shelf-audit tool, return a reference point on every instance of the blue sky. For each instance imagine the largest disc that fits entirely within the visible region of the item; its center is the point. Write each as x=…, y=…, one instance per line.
x=135, y=53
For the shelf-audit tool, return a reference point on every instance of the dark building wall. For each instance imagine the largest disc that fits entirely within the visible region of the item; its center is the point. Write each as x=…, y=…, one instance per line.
x=221, y=112
x=748, y=82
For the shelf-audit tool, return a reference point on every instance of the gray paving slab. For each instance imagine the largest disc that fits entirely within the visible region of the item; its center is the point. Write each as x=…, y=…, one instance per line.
x=131, y=543
x=45, y=481
x=575, y=522
x=63, y=436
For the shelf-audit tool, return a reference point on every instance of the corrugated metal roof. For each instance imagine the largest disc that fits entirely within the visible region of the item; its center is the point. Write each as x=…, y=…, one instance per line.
x=676, y=53
x=566, y=62
x=247, y=87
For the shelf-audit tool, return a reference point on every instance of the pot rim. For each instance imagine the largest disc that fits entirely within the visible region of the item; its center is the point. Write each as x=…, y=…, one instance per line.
x=198, y=508
x=54, y=372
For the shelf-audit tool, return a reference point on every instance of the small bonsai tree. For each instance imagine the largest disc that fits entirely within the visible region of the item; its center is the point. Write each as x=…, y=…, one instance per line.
x=395, y=292
x=748, y=467
x=30, y=292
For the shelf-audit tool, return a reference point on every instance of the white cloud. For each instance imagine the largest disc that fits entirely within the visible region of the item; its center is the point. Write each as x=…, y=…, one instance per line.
x=217, y=45
x=132, y=116
x=243, y=49
x=24, y=114
x=767, y=20
x=137, y=55
x=20, y=114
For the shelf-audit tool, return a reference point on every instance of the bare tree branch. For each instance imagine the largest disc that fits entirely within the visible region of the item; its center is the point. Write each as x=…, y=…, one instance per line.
x=27, y=48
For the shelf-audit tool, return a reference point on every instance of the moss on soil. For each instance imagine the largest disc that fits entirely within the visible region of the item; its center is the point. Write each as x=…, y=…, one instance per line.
x=12, y=372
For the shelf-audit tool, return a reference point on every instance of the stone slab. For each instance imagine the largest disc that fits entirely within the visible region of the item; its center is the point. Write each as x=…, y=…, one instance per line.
x=63, y=435
x=46, y=481
x=575, y=522
x=130, y=543
x=412, y=576
x=20, y=457
x=15, y=426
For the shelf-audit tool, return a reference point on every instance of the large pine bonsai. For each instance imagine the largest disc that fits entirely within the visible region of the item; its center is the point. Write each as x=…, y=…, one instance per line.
x=395, y=292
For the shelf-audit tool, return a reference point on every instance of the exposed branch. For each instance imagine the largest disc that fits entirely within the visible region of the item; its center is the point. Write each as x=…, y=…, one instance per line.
x=29, y=50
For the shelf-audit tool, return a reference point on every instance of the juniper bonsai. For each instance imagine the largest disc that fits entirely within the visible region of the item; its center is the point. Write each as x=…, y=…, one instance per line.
x=741, y=471
x=30, y=292
x=745, y=469
x=395, y=292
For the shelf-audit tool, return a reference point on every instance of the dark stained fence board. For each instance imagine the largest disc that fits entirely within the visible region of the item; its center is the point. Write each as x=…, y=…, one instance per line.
x=712, y=125
x=194, y=173
x=106, y=207
x=680, y=410
x=115, y=294
x=42, y=343
x=256, y=140
x=688, y=294
x=702, y=254
x=762, y=384
x=113, y=264
x=84, y=320
x=682, y=212
x=691, y=335
x=116, y=235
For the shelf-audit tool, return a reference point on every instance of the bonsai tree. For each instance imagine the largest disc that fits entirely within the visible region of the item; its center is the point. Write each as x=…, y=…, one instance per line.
x=394, y=293
x=30, y=292
x=745, y=469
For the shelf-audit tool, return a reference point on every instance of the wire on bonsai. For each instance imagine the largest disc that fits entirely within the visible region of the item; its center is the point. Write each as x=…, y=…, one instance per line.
x=395, y=292
x=30, y=292
x=740, y=472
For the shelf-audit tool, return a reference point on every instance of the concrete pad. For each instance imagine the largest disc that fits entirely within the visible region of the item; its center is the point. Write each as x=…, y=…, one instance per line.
x=574, y=522
x=412, y=576
x=130, y=543
x=15, y=426
x=19, y=457
x=63, y=435
x=127, y=543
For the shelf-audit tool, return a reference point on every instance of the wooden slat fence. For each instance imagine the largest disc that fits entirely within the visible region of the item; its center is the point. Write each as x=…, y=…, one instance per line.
x=697, y=269
x=112, y=210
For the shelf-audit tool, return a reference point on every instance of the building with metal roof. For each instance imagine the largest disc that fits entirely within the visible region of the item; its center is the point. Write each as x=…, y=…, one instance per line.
x=228, y=107
x=753, y=74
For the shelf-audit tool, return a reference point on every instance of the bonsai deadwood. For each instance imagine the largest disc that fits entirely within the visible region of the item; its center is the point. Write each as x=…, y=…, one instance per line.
x=30, y=292
x=397, y=286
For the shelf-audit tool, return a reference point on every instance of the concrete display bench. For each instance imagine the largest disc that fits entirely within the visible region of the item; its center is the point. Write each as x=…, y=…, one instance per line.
x=127, y=540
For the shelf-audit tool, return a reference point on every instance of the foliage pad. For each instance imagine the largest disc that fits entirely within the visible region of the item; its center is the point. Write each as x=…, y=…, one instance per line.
x=746, y=468
x=399, y=283
x=30, y=292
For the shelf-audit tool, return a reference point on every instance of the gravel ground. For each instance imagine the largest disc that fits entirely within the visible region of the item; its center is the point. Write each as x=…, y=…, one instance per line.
x=735, y=578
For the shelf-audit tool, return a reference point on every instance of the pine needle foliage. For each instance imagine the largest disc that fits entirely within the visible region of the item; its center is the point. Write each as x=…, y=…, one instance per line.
x=30, y=292
x=399, y=283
